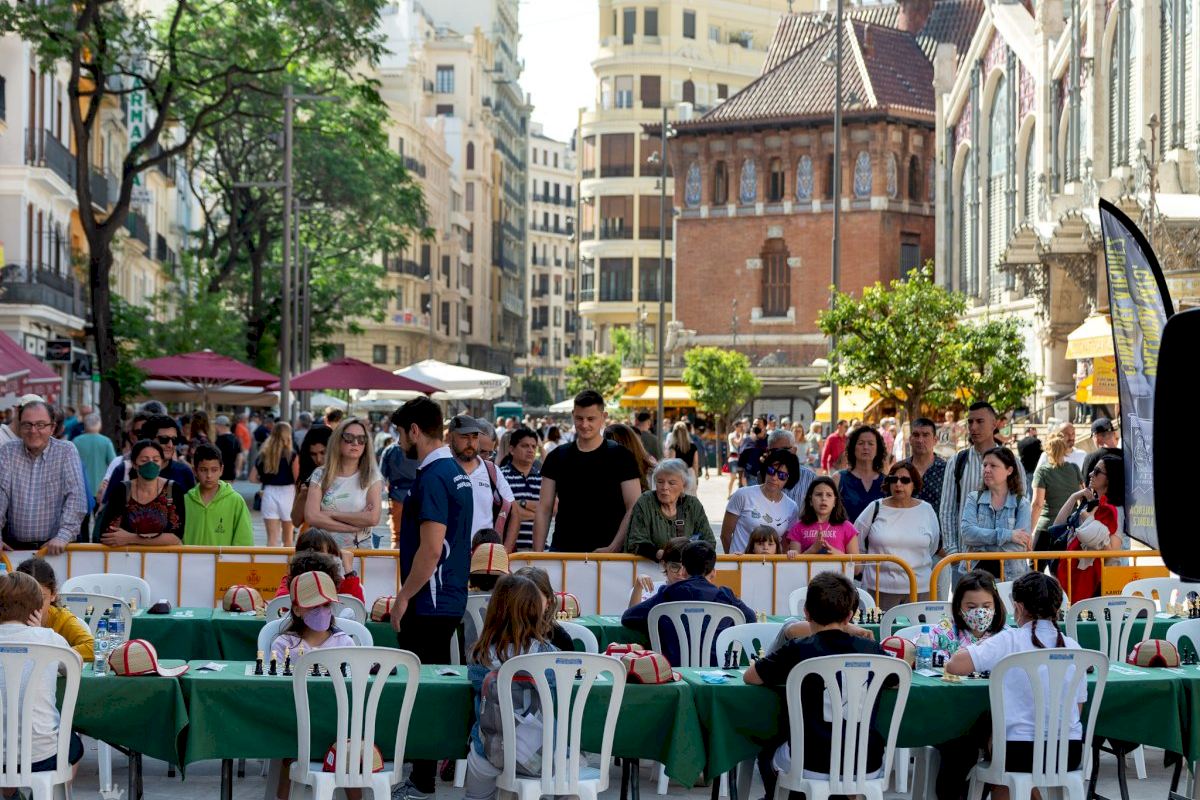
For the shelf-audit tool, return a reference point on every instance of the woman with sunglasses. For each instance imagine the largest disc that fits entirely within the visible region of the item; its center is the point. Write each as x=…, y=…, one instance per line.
x=1096, y=518
x=903, y=526
x=345, y=497
x=764, y=503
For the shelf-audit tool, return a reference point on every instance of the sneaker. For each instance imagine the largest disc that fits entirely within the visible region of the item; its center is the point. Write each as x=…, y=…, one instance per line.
x=406, y=791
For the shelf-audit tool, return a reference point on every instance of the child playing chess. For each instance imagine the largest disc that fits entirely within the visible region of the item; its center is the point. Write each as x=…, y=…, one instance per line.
x=55, y=617
x=672, y=567
x=1036, y=600
x=555, y=633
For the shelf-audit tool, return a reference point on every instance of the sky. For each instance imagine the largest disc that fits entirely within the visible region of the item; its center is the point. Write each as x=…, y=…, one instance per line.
x=559, y=38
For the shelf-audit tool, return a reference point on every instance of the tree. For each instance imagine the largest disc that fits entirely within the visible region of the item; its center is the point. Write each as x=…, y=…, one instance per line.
x=535, y=392
x=629, y=349
x=907, y=342
x=186, y=64
x=720, y=382
x=599, y=372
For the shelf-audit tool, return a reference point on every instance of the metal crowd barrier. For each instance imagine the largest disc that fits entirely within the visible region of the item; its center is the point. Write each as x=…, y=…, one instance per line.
x=1056, y=555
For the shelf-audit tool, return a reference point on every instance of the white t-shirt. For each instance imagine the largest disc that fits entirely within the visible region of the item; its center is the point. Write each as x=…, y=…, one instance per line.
x=45, y=708
x=753, y=509
x=482, y=488
x=345, y=493
x=1076, y=457
x=910, y=533
x=1018, y=695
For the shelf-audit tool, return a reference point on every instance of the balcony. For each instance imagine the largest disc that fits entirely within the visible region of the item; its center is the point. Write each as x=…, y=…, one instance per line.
x=104, y=189
x=42, y=287
x=135, y=224
x=406, y=266
x=160, y=249
x=615, y=229
x=413, y=165
x=616, y=171
x=43, y=150
x=652, y=233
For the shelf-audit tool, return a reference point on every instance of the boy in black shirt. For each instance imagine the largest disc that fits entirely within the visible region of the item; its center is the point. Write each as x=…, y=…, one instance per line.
x=829, y=607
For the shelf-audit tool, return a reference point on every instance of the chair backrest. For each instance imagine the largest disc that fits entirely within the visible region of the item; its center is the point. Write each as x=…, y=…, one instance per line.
x=477, y=603
x=1168, y=590
x=129, y=588
x=563, y=682
x=78, y=604
x=357, y=610
x=269, y=632
x=797, y=596
x=696, y=637
x=852, y=686
x=927, y=613
x=29, y=672
x=1123, y=613
x=752, y=636
x=910, y=632
x=357, y=710
x=357, y=631
x=279, y=607
x=579, y=633
x=1054, y=676
x=1186, y=629
x=1004, y=588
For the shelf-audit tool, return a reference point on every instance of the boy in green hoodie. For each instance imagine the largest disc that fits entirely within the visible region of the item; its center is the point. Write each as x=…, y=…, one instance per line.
x=215, y=515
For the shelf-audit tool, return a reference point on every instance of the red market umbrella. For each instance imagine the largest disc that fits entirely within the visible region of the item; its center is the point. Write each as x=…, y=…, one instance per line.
x=350, y=373
x=205, y=371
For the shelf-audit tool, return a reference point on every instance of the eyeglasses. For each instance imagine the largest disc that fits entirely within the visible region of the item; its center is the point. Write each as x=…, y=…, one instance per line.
x=778, y=472
x=1097, y=470
x=166, y=439
x=36, y=426
x=904, y=480
x=351, y=438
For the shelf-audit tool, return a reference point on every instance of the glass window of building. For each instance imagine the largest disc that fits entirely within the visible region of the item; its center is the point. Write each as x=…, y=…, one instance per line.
x=624, y=91
x=720, y=189
x=616, y=155
x=689, y=24
x=445, y=79
x=629, y=28
x=616, y=279
x=650, y=22
x=651, y=91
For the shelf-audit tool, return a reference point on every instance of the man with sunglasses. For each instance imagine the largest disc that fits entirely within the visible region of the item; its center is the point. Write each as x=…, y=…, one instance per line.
x=161, y=429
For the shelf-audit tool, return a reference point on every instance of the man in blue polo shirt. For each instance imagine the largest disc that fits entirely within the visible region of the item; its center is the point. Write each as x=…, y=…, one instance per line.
x=435, y=555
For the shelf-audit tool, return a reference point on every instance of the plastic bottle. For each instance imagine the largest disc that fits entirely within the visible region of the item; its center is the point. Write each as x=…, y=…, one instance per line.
x=116, y=626
x=100, y=664
x=924, y=649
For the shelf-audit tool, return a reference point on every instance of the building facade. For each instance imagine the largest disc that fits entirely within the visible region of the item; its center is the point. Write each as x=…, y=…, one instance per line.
x=755, y=193
x=550, y=264
x=1045, y=113
x=685, y=57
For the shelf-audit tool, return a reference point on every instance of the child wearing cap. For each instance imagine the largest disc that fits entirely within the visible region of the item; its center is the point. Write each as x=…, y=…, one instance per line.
x=489, y=560
x=21, y=623
x=312, y=623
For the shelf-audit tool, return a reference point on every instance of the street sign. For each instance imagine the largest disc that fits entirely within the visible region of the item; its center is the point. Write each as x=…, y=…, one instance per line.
x=58, y=351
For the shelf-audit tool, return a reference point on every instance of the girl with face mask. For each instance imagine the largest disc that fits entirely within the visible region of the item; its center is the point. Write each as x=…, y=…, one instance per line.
x=313, y=624
x=978, y=612
x=146, y=509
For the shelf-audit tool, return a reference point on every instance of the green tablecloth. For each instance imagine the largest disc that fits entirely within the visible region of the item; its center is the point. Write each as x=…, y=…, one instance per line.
x=236, y=635
x=1190, y=677
x=1141, y=705
x=184, y=634
x=146, y=714
x=609, y=630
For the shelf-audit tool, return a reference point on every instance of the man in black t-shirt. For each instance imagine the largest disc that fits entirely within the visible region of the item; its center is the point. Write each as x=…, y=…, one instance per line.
x=596, y=483
x=1104, y=436
x=230, y=449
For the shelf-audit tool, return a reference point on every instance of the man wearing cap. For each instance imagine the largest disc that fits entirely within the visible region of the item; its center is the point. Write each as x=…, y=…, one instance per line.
x=9, y=432
x=435, y=554
x=42, y=495
x=231, y=449
x=1104, y=436
x=493, y=497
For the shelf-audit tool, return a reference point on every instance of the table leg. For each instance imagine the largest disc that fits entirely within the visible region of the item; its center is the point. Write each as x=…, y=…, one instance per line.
x=137, y=759
x=635, y=782
x=716, y=787
x=227, y=779
x=733, y=783
x=624, y=779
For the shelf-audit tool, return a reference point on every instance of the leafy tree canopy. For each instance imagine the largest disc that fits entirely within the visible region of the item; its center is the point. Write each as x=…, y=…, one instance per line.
x=599, y=372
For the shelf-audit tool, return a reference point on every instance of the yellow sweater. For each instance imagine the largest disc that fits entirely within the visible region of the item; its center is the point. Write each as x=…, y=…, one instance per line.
x=71, y=628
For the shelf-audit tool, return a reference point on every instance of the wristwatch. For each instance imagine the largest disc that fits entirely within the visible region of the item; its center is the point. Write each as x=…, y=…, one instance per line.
x=522, y=504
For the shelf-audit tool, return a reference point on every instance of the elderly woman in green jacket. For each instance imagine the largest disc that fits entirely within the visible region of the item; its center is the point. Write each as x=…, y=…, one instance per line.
x=666, y=511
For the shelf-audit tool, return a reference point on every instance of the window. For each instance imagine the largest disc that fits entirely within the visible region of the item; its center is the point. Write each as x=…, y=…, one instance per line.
x=997, y=212
x=398, y=355
x=470, y=200
x=588, y=157
x=630, y=19
x=616, y=155
x=689, y=24
x=650, y=22
x=606, y=93
x=775, y=186
x=830, y=176
x=616, y=217
x=650, y=217
x=616, y=279
x=470, y=155
x=714, y=33
x=1028, y=185
x=910, y=253
x=445, y=79
x=446, y=269
x=624, y=91
x=446, y=317
x=444, y=110
x=915, y=182
x=648, y=280
x=339, y=351
x=379, y=354
x=651, y=91
x=967, y=276
x=556, y=160
x=426, y=260
x=722, y=91
x=400, y=147
x=720, y=189
x=776, y=282
x=689, y=91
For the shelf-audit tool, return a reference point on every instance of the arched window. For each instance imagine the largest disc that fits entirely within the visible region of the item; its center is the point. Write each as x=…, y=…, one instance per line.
x=916, y=184
x=804, y=179
x=893, y=177
x=997, y=210
x=720, y=189
x=689, y=91
x=1123, y=130
x=748, y=185
x=776, y=282
x=1029, y=198
x=470, y=155
x=1176, y=79
x=862, y=176
x=775, y=188
x=966, y=230
x=692, y=189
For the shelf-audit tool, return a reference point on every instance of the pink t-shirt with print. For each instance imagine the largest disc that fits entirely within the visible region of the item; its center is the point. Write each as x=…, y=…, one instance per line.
x=838, y=537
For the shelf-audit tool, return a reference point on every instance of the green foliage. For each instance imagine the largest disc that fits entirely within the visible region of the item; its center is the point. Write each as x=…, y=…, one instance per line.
x=629, y=348
x=720, y=380
x=907, y=342
x=599, y=372
x=535, y=392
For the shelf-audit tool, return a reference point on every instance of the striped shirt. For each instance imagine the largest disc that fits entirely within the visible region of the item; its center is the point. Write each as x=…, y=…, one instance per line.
x=954, y=494
x=527, y=488
x=42, y=497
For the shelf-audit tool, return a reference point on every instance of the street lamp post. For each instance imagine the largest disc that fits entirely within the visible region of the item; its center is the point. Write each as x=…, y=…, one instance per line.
x=836, y=255
x=662, y=264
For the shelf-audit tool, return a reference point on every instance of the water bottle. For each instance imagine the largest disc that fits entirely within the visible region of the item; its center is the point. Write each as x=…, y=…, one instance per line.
x=100, y=664
x=116, y=626
x=924, y=649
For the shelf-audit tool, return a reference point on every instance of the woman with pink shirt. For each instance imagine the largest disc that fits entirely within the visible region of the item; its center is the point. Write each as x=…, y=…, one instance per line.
x=823, y=527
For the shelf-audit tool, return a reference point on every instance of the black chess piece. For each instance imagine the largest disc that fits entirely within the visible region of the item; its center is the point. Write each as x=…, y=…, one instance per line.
x=274, y=670
x=287, y=661
x=316, y=670
x=985, y=674
x=1107, y=615
x=258, y=664
x=345, y=673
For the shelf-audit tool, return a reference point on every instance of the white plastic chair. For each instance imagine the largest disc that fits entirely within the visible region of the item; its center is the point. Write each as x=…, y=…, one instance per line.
x=129, y=588
x=477, y=604
x=852, y=687
x=927, y=613
x=582, y=634
x=79, y=602
x=1185, y=629
x=356, y=717
x=279, y=607
x=351, y=608
x=1124, y=612
x=272, y=629
x=1054, y=676
x=697, y=637
x=1004, y=588
x=562, y=722
x=910, y=632
x=752, y=636
x=1169, y=590
x=796, y=601
x=26, y=670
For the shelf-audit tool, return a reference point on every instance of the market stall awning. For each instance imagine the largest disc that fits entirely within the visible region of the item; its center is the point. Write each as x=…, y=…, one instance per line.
x=1092, y=339
x=675, y=395
x=350, y=373
x=853, y=401
x=22, y=373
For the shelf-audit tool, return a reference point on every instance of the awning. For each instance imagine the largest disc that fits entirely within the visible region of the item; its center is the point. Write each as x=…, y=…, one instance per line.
x=675, y=394
x=1099, y=388
x=853, y=401
x=1092, y=339
x=23, y=373
x=452, y=381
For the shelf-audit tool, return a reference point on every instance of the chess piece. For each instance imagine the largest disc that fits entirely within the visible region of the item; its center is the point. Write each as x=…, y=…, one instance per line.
x=287, y=661
x=986, y=674
x=258, y=664
x=274, y=670
x=316, y=670
x=261, y=612
x=737, y=655
x=345, y=673
x=1107, y=616
x=761, y=652
x=762, y=616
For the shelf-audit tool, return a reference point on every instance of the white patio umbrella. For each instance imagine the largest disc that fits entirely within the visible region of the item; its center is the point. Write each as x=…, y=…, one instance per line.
x=456, y=383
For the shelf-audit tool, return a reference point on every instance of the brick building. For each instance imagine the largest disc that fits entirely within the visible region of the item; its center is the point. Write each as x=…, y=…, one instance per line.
x=755, y=191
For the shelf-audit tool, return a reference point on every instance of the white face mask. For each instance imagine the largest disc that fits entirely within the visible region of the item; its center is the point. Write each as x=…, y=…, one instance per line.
x=979, y=619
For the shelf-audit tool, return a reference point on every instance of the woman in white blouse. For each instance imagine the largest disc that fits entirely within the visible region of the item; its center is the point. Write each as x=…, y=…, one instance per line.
x=903, y=526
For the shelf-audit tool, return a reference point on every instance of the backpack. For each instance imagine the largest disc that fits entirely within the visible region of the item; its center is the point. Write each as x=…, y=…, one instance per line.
x=500, y=506
x=528, y=709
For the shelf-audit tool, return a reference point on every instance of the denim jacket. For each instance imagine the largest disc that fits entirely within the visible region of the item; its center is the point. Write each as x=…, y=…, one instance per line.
x=985, y=529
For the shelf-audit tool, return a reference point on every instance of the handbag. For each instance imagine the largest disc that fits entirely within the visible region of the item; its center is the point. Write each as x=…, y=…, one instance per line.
x=258, y=500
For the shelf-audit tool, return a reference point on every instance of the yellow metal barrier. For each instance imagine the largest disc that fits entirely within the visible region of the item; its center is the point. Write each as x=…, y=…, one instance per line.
x=1044, y=555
